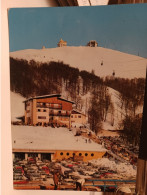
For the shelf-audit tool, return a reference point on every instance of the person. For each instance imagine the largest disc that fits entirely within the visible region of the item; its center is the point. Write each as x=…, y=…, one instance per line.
x=79, y=183
x=56, y=180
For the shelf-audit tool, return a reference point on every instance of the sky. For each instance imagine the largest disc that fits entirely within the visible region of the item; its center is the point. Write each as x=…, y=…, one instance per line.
x=118, y=27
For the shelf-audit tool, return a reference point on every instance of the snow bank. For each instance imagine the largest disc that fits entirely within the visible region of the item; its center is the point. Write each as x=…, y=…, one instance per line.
x=123, y=169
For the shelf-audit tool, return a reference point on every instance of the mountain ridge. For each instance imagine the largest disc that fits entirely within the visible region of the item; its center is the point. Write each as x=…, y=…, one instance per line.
x=100, y=60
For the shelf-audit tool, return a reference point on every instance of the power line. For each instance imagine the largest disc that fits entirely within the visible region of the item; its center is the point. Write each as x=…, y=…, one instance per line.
x=122, y=62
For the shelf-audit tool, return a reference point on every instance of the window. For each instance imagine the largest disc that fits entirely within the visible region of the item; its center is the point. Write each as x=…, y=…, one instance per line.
x=73, y=154
x=80, y=154
x=57, y=106
x=92, y=154
x=67, y=153
x=44, y=110
x=38, y=104
x=39, y=110
x=61, y=153
x=86, y=154
x=79, y=116
x=71, y=116
x=47, y=104
x=41, y=117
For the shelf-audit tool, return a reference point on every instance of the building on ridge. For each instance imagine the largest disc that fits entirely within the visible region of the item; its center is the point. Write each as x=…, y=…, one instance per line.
x=43, y=47
x=92, y=43
x=62, y=43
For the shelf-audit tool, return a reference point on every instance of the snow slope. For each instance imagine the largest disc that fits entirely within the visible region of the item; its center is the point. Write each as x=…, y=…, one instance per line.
x=90, y=58
x=119, y=112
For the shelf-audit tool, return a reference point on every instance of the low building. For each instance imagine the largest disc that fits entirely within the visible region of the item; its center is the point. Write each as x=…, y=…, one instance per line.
x=43, y=47
x=48, y=109
x=77, y=118
x=92, y=43
x=62, y=43
x=46, y=143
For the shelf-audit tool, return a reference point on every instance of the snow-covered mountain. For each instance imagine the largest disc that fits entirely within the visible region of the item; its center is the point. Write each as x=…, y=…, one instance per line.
x=103, y=61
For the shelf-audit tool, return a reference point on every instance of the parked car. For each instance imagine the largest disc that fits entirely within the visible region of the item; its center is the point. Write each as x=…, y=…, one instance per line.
x=46, y=169
x=31, y=161
x=18, y=169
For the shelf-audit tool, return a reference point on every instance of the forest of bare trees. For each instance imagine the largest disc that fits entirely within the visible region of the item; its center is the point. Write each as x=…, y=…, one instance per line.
x=131, y=97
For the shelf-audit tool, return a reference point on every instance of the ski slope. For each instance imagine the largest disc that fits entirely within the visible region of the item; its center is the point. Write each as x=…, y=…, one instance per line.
x=103, y=61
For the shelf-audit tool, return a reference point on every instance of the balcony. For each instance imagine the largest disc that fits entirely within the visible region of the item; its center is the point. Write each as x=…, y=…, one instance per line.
x=49, y=105
x=59, y=113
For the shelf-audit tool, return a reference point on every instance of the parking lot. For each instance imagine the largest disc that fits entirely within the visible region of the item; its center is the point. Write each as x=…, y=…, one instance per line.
x=39, y=175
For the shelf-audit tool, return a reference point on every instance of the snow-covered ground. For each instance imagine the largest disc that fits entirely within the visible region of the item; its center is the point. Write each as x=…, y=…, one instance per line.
x=103, y=61
x=48, y=138
x=125, y=170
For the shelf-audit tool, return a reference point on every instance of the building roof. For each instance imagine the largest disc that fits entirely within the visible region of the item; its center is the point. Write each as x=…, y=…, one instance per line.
x=61, y=41
x=66, y=100
x=37, y=138
x=93, y=41
x=49, y=96
x=77, y=112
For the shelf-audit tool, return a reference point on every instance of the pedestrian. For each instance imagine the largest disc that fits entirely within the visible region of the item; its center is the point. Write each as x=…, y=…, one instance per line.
x=56, y=180
x=79, y=184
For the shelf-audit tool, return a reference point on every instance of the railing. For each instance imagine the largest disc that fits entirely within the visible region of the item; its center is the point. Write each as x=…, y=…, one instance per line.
x=113, y=183
x=59, y=114
x=52, y=106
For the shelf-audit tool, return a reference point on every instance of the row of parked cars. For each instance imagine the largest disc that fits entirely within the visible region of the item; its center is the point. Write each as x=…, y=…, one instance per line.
x=127, y=152
x=30, y=170
x=39, y=170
